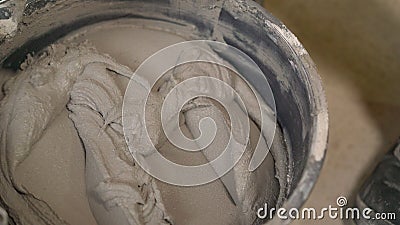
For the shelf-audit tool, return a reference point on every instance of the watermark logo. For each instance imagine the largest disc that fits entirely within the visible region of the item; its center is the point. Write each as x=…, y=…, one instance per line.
x=340, y=211
x=168, y=83
x=341, y=201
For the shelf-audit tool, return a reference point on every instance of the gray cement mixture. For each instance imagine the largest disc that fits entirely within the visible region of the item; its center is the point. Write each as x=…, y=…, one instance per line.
x=64, y=157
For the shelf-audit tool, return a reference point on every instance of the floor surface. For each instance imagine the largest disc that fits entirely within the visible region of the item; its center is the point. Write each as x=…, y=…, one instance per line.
x=356, y=46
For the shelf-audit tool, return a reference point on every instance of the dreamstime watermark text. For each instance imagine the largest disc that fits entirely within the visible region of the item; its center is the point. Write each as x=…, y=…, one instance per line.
x=338, y=211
